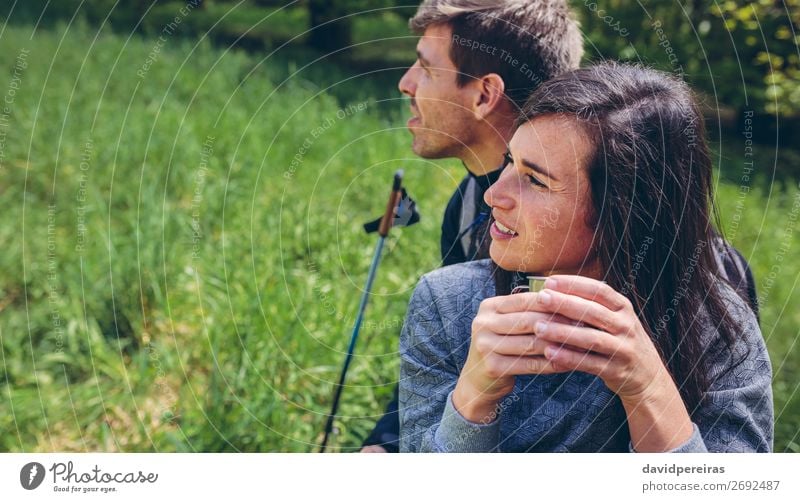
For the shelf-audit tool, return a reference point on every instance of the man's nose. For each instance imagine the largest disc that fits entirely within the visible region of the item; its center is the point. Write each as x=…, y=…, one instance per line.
x=407, y=84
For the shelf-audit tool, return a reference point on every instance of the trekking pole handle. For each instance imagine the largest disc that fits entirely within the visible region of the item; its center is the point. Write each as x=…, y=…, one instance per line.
x=394, y=200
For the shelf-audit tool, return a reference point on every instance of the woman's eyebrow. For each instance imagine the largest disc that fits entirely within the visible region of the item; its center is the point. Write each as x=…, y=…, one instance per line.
x=539, y=169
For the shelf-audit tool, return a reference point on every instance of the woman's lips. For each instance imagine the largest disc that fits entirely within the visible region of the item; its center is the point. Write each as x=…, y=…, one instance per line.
x=498, y=234
x=413, y=122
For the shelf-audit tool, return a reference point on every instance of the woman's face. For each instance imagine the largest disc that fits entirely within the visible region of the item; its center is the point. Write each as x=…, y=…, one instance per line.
x=542, y=203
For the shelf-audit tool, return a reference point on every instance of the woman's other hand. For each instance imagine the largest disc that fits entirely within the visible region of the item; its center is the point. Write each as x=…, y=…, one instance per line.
x=503, y=345
x=611, y=340
x=613, y=344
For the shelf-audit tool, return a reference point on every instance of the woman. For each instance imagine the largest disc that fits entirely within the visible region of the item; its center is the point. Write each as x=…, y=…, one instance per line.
x=636, y=343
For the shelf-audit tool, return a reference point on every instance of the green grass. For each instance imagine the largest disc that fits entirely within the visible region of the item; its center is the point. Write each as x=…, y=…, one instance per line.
x=158, y=297
x=765, y=226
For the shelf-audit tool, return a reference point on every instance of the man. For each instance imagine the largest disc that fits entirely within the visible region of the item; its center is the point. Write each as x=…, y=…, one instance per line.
x=477, y=62
x=476, y=65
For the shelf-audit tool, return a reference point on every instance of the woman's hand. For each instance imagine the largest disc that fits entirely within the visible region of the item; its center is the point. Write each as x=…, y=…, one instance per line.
x=613, y=344
x=503, y=345
x=612, y=341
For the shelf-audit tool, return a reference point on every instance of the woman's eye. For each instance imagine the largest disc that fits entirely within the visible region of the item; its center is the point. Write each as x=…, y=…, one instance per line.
x=535, y=181
x=507, y=160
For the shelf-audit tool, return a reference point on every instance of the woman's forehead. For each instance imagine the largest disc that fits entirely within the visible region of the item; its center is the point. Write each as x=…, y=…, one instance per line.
x=557, y=142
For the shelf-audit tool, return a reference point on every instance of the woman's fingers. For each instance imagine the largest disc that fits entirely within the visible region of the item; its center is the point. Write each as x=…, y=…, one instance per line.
x=522, y=345
x=599, y=301
x=582, y=310
x=522, y=302
x=589, y=289
x=516, y=323
x=578, y=337
x=499, y=366
x=578, y=323
x=563, y=359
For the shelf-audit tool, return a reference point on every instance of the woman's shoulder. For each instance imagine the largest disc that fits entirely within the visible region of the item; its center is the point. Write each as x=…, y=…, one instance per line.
x=735, y=308
x=748, y=346
x=456, y=288
x=467, y=277
x=738, y=308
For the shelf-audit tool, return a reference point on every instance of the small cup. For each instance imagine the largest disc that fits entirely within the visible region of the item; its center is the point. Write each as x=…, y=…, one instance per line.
x=535, y=284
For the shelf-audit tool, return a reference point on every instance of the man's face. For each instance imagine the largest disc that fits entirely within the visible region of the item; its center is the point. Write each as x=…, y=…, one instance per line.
x=441, y=119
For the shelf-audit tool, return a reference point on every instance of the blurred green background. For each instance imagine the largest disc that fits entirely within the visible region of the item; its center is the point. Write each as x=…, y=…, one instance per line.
x=183, y=186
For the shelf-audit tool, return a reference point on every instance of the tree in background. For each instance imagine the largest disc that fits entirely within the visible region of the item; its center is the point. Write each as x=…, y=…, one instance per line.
x=330, y=30
x=767, y=38
x=744, y=54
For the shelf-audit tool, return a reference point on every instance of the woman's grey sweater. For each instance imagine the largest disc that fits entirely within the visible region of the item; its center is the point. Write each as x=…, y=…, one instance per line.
x=566, y=412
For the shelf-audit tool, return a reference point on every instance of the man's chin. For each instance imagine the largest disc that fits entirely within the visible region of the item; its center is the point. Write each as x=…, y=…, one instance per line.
x=426, y=151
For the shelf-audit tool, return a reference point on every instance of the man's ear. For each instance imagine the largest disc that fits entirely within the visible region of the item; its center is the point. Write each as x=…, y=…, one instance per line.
x=489, y=95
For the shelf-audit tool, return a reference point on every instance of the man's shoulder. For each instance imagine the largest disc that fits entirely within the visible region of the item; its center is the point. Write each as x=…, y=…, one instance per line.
x=458, y=193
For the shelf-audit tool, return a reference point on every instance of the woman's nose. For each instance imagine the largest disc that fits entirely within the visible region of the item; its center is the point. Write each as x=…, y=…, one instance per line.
x=500, y=194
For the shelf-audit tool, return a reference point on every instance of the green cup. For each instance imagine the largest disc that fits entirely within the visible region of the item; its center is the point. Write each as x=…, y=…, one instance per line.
x=536, y=283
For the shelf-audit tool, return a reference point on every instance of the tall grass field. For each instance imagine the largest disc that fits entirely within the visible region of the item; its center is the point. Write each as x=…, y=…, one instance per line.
x=182, y=251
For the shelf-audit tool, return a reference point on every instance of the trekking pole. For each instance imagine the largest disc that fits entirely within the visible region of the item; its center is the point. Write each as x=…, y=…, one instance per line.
x=399, y=212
